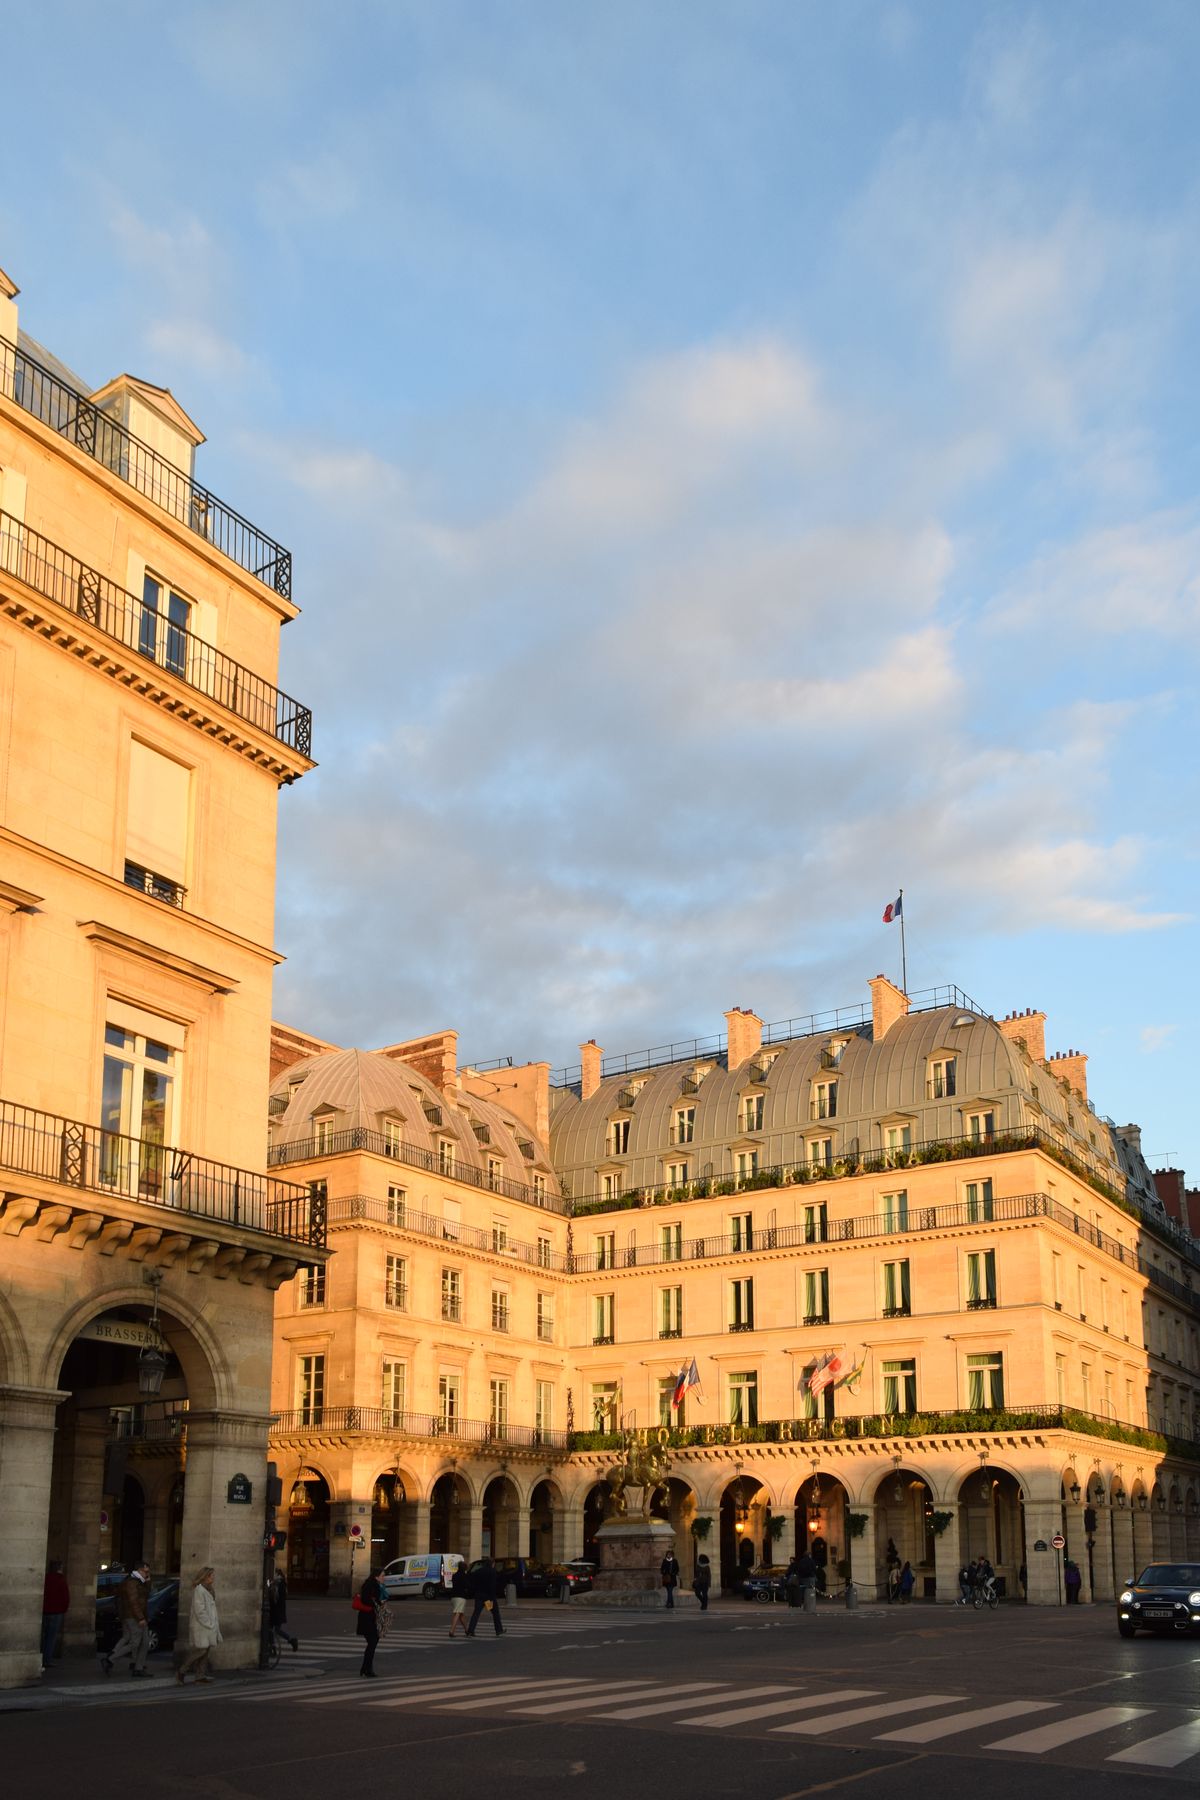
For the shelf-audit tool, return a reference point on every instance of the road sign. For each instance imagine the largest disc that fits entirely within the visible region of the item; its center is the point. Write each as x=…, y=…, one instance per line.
x=1059, y=1541
x=356, y=1532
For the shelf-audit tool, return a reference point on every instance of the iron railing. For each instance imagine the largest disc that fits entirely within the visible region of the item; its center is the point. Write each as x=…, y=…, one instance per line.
x=57, y=575
x=159, y=887
x=82, y=423
x=351, y=1207
x=383, y=1422
x=338, y=1143
x=76, y=1155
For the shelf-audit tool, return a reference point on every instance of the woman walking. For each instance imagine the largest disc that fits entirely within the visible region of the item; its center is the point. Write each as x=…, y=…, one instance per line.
x=908, y=1582
x=459, y=1590
x=204, y=1629
x=370, y=1599
x=702, y=1581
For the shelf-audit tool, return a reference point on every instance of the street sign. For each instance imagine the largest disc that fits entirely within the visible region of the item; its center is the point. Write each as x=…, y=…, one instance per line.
x=1059, y=1541
x=1041, y=1544
x=356, y=1532
x=239, y=1491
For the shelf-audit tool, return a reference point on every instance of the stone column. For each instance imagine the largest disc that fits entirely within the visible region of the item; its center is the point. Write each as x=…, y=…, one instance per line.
x=568, y=1535
x=1143, y=1540
x=221, y=1445
x=1076, y=1549
x=1102, y=1556
x=27, y=1418
x=947, y=1555
x=1043, y=1519
x=346, y=1566
x=416, y=1523
x=863, y=1570
x=472, y=1523
x=1160, y=1533
x=1123, y=1551
x=784, y=1547
x=519, y=1531
x=83, y=1558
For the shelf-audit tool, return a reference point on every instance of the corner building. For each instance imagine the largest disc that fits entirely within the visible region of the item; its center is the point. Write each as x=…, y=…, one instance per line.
x=523, y=1265
x=142, y=745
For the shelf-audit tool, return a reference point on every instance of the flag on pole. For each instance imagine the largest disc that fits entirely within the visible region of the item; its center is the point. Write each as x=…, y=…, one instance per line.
x=827, y=1372
x=853, y=1375
x=891, y=913
x=689, y=1377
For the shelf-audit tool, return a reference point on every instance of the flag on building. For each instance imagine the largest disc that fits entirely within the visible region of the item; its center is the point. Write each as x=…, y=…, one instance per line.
x=826, y=1373
x=689, y=1377
x=891, y=913
x=853, y=1375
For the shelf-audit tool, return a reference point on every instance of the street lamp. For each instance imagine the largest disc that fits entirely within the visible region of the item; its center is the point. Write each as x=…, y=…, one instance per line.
x=1076, y=1493
x=152, y=1363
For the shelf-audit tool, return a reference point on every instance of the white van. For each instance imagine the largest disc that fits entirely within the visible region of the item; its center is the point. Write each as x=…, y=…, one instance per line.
x=430, y=1575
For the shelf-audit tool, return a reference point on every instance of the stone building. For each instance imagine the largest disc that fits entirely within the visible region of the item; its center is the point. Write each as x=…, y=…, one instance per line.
x=525, y=1264
x=142, y=745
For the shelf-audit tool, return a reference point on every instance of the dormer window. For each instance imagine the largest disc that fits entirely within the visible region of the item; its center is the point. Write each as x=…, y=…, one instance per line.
x=445, y=1152
x=322, y=1129
x=831, y=1055
x=683, y=1127
x=618, y=1137
x=942, y=1083
x=752, y=1111
x=393, y=1137
x=824, y=1100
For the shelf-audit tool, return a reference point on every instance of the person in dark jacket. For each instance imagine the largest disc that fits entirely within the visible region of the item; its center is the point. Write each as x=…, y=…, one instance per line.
x=460, y=1593
x=371, y=1597
x=485, y=1588
x=132, y=1599
x=791, y=1583
x=277, y=1601
x=908, y=1581
x=806, y=1574
x=702, y=1581
x=670, y=1576
x=56, y=1603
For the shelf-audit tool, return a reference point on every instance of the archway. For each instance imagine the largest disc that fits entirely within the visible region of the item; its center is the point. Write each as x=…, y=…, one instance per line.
x=992, y=1524
x=546, y=1523
x=500, y=1518
x=822, y=1505
x=675, y=1502
x=743, y=1515
x=391, y=1516
x=904, y=1529
x=594, y=1514
x=129, y=1522
x=449, y=1527
x=308, y=1534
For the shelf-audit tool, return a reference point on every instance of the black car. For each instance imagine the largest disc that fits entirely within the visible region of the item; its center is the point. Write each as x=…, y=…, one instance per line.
x=1164, y=1598
x=765, y=1585
x=532, y=1580
x=162, y=1611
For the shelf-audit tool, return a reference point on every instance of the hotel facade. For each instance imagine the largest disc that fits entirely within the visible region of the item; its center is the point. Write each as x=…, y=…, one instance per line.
x=143, y=742
x=524, y=1263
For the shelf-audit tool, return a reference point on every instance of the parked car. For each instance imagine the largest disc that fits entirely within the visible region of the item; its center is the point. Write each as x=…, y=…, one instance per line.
x=581, y=1576
x=532, y=1580
x=430, y=1574
x=162, y=1610
x=1164, y=1598
x=765, y=1584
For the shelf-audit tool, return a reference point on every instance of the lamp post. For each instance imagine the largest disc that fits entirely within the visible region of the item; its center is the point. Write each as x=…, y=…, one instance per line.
x=152, y=1362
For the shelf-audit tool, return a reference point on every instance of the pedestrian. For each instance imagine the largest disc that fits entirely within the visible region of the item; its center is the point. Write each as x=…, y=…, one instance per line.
x=791, y=1583
x=966, y=1581
x=204, y=1628
x=670, y=1576
x=459, y=1591
x=820, y=1556
x=702, y=1581
x=891, y=1555
x=907, y=1583
x=485, y=1589
x=1073, y=1581
x=56, y=1601
x=806, y=1576
x=1023, y=1578
x=132, y=1598
x=277, y=1601
x=893, y=1582
x=368, y=1604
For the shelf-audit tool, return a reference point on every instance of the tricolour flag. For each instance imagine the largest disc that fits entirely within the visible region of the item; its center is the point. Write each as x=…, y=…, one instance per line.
x=891, y=913
x=828, y=1371
x=689, y=1377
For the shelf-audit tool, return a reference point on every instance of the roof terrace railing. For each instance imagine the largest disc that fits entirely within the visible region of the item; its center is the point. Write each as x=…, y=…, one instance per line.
x=348, y=1209
x=63, y=578
x=338, y=1143
x=82, y=423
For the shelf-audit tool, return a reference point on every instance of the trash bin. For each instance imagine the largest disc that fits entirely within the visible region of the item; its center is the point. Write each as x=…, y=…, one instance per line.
x=851, y=1597
x=810, y=1598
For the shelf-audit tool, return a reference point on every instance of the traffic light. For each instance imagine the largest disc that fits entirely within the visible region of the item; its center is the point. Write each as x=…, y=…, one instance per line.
x=1089, y=1519
x=277, y=1540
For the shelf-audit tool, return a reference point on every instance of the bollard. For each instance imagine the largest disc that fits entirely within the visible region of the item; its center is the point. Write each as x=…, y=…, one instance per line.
x=810, y=1598
x=851, y=1597
x=510, y=1594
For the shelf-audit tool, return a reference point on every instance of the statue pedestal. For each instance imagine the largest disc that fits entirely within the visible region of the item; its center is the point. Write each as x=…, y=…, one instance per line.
x=631, y=1553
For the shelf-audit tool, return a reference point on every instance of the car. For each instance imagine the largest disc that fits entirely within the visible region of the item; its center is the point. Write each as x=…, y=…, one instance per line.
x=532, y=1580
x=581, y=1575
x=1164, y=1598
x=765, y=1585
x=162, y=1611
x=429, y=1575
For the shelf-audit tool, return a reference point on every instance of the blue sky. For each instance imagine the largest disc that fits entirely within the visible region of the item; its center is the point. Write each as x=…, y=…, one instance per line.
x=739, y=459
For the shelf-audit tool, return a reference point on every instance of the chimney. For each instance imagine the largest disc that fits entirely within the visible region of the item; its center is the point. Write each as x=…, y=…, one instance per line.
x=591, y=1057
x=8, y=310
x=1071, y=1066
x=745, y=1036
x=888, y=1003
x=1029, y=1028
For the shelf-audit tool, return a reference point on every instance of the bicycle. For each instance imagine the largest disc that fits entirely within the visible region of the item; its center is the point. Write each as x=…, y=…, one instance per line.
x=984, y=1594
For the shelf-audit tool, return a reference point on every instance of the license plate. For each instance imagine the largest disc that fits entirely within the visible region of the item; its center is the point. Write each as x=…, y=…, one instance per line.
x=1158, y=1612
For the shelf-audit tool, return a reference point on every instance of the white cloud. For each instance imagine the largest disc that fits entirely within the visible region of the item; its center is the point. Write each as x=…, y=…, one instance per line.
x=193, y=344
x=1155, y=1037
x=1139, y=577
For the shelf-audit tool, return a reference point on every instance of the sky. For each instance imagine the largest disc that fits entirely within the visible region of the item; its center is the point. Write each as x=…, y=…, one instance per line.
x=739, y=461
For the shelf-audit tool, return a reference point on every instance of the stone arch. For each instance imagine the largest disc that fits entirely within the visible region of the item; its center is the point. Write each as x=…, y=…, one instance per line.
x=547, y=1520
x=210, y=1379
x=451, y=1501
x=821, y=1508
x=15, y=1369
x=675, y=1501
x=991, y=1520
x=503, y=1509
x=741, y=1524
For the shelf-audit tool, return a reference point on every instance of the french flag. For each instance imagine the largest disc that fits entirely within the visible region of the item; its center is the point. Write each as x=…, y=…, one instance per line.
x=891, y=913
x=689, y=1377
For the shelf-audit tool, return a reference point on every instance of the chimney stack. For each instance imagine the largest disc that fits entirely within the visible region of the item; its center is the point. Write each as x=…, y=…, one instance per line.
x=8, y=309
x=888, y=1003
x=1026, y=1027
x=744, y=1036
x=1071, y=1066
x=590, y=1057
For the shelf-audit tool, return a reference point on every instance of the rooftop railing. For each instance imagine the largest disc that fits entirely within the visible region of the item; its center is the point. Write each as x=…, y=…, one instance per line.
x=82, y=423
x=61, y=577
x=338, y=1143
x=76, y=1155
x=349, y=1209
x=383, y=1422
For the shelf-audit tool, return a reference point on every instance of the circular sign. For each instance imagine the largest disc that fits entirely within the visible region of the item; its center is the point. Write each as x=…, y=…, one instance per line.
x=1059, y=1541
x=104, y=1521
x=356, y=1531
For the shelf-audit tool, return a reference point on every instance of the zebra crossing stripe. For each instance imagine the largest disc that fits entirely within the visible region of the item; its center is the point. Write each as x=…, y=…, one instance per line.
x=677, y=1705
x=931, y=1729
x=859, y=1715
x=609, y=1689
x=742, y=1715
x=498, y=1693
x=1066, y=1731
x=1166, y=1751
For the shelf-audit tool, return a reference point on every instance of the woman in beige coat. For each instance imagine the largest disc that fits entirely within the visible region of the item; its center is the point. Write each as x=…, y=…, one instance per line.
x=205, y=1629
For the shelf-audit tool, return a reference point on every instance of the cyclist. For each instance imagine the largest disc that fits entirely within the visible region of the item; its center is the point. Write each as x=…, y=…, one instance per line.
x=985, y=1590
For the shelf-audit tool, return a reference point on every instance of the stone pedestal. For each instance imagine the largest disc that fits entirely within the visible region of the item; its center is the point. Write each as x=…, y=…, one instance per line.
x=631, y=1553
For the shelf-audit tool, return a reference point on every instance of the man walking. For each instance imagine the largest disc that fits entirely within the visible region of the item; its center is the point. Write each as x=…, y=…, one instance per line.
x=485, y=1590
x=670, y=1577
x=56, y=1602
x=132, y=1597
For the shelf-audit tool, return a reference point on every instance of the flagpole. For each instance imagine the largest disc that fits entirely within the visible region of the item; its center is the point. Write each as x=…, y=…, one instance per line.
x=903, y=949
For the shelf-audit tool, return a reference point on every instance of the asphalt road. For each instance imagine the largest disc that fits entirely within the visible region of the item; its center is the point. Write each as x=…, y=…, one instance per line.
x=894, y=1703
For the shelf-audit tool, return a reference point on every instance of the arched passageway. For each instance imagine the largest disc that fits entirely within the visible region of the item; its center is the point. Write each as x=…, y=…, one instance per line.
x=308, y=1534
x=822, y=1505
x=743, y=1514
x=991, y=1524
x=546, y=1543
x=594, y=1513
x=904, y=1529
x=449, y=1524
x=501, y=1504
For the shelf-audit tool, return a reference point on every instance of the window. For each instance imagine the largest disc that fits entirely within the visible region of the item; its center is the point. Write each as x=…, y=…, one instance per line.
x=449, y=1411
x=322, y=1131
x=942, y=1079
x=545, y=1318
x=543, y=1252
x=900, y=1386
x=895, y=1211
x=1056, y=1278
x=741, y=1231
x=743, y=1398
x=1060, y=1379
x=139, y=1106
x=395, y=1286
x=539, y=1188
x=816, y=1296
x=677, y=1174
x=498, y=1406
x=499, y=1235
x=157, y=824
x=618, y=1137
x=445, y=1156
x=499, y=1309
x=1104, y=1310
x=393, y=1137
x=683, y=1129
x=824, y=1100
x=452, y=1220
x=310, y=1287
x=163, y=625
x=978, y=1195
x=752, y=1112
x=1081, y=1292
x=396, y=1206
x=543, y=1408
x=820, y=1152
x=669, y=1415
x=747, y=1164
x=603, y=1314
x=452, y=1295
x=670, y=1242
x=670, y=1312
x=981, y=1127
x=604, y=1406
x=495, y=1172
x=310, y=1389
x=816, y=1224
x=897, y=1137
x=741, y=1305
x=897, y=1295
x=981, y=1279
x=985, y=1381
x=1085, y=1380
x=605, y=1246
x=395, y=1379
x=610, y=1187
x=1109, y=1406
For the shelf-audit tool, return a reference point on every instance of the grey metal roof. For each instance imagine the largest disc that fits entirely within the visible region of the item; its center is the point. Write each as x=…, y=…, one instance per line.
x=49, y=361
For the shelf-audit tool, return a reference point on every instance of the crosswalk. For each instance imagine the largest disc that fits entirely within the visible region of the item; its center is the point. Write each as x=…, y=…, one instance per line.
x=787, y=1709
x=405, y=1640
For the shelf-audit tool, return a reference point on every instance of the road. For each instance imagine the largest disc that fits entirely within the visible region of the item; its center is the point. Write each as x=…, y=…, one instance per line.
x=888, y=1703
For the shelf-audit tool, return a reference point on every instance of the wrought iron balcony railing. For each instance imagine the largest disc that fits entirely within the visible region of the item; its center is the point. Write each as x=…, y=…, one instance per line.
x=82, y=423
x=338, y=1143
x=159, y=887
x=57, y=575
x=348, y=1208
x=384, y=1421
x=106, y=1162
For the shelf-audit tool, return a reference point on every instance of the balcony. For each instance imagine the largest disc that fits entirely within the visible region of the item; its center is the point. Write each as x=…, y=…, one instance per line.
x=387, y=1422
x=91, y=430
x=823, y=1108
x=159, y=887
x=742, y=1325
x=604, y=1338
x=341, y=1143
x=74, y=1155
x=981, y=1303
x=125, y=620
x=817, y=1318
x=898, y=1312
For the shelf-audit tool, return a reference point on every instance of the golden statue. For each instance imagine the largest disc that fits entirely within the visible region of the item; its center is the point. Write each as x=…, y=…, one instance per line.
x=643, y=1467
